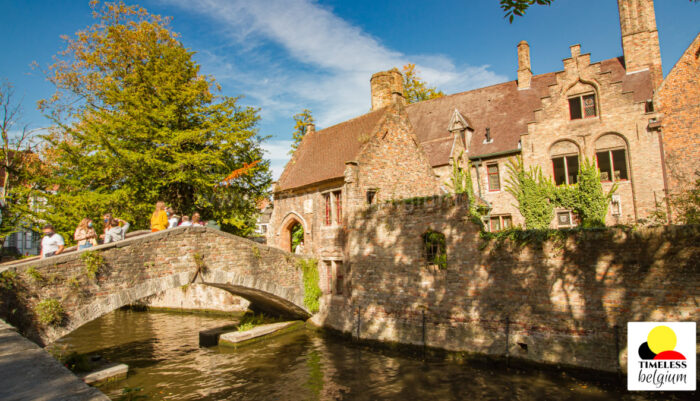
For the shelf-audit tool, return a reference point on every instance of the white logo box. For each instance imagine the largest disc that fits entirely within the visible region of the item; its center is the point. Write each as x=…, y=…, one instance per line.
x=659, y=375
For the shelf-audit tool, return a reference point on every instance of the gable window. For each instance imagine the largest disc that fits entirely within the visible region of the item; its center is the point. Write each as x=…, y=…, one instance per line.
x=612, y=165
x=327, y=201
x=338, y=206
x=371, y=194
x=494, y=178
x=434, y=249
x=565, y=169
x=498, y=223
x=582, y=107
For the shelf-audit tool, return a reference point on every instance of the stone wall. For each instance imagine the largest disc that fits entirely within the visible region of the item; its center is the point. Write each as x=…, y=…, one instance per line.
x=561, y=301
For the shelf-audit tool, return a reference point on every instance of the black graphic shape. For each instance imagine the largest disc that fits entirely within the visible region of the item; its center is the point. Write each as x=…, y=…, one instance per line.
x=645, y=352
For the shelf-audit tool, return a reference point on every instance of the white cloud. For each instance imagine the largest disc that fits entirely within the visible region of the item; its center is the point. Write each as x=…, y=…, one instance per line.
x=286, y=55
x=277, y=153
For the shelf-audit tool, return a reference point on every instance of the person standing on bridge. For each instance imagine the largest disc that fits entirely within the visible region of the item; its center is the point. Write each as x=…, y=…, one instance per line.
x=173, y=219
x=159, y=219
x=197, y=220
x=115, y=231
x=85, y=234
x=52, y=243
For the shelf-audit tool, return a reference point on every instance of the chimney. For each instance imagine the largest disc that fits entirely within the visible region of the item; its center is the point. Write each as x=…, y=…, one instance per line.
x=387, y=87
x=524, y=71
x=640, y=39
x=310, y=128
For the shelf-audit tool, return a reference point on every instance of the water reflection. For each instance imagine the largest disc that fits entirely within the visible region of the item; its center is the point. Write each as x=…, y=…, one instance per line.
x=165, y=360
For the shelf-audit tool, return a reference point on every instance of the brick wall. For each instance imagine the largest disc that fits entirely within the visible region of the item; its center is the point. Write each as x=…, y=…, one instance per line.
x=561, y=302
x=679, y=100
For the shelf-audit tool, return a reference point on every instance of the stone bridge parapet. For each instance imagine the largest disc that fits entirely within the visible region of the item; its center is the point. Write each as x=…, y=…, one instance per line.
x=145, y=265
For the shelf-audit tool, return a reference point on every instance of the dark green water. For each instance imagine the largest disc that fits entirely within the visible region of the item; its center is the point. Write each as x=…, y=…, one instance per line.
x=165, y=360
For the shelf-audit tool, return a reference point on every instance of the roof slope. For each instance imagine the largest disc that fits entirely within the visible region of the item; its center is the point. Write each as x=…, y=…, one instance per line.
x=321, y=156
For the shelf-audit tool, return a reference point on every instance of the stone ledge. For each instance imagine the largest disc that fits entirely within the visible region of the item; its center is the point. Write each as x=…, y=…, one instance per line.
x=108, y=373
x=239, y=338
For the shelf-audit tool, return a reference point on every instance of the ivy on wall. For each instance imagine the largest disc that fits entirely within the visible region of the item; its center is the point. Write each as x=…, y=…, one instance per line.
x=537, y=195
x=532, y=191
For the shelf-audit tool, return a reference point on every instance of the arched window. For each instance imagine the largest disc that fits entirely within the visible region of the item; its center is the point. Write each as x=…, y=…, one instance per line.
x=611, y=157
x=565, y=162
x=434, y=249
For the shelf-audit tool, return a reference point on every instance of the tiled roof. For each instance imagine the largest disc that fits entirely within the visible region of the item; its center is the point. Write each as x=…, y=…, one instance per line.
x=502, y=108
x=322, y=155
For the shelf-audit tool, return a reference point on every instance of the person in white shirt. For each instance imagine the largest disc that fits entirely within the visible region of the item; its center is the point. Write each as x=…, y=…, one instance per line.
x=52, y=243
x=173, y=219
x=186, y=221
x=300, y=249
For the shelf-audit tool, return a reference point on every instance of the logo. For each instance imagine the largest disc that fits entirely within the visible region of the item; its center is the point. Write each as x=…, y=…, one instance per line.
x=661, y=356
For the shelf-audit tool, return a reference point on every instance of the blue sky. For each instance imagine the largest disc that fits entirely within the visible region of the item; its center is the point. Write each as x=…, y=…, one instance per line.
x=286, y=55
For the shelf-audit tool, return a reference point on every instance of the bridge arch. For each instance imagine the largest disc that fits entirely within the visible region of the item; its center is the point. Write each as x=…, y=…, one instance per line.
x=136, y=268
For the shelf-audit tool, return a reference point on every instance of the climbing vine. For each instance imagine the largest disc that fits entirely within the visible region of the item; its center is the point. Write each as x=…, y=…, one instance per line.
x=532, y=191
x=312, y=291
x=537, y=195
x=586, y=198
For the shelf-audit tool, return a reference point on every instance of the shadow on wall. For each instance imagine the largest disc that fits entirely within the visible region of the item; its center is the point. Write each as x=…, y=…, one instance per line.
x=550, y=297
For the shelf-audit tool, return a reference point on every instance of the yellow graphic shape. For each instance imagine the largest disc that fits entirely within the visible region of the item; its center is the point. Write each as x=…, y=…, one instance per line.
x=660, y=339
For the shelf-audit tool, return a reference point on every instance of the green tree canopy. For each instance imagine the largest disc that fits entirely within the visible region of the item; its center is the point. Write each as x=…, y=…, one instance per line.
x=301, y=127
x=136, y=122
x=414, y=88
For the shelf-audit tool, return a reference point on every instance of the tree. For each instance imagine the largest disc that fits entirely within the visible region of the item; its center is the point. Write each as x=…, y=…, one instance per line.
x=18, y=165
x=301, y=127
x=513, y=8
x=135, y=122
x=414, y=88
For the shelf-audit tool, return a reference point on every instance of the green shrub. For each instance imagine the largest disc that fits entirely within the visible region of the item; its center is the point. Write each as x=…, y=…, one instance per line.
x=312, y=292
x=50, y=312
x=93, y=262
x=532, y=191
x=34, y=274
x=8, y=280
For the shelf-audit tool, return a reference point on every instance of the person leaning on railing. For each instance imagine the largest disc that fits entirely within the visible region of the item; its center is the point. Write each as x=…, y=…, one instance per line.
x=115, y=231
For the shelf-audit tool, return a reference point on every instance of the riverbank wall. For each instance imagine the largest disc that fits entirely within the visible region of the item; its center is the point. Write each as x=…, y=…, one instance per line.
x=549, y=297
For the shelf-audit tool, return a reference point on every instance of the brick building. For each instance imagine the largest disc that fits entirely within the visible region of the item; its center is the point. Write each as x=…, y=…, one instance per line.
x=678, y=98
x=603, y=111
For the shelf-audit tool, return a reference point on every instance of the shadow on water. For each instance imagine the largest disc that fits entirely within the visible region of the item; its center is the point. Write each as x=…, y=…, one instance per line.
x=166, y=361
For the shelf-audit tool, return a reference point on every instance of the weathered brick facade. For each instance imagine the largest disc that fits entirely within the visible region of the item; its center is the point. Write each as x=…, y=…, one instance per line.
x=563, y=301
x=678, y=98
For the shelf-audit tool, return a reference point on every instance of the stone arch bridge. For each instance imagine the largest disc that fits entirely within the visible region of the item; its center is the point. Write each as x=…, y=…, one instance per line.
x=144, y=265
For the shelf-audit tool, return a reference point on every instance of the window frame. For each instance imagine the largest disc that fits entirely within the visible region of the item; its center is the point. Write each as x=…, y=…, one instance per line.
x=500, y=218
x=370, y=196
x=338, y=203
x=434, y=250
x=609, y=151
x=582, y=106
x=333, y=207
x=497, y=174
x=327, y=219
x=572, y=219
x=566, y=168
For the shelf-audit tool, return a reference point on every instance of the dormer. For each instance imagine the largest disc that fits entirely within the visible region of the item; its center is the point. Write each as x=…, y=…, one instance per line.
x=460, y=129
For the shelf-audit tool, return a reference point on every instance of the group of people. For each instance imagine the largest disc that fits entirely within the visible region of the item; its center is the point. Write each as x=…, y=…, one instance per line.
x=115, y=230
x=53, y=244
x=164, y=218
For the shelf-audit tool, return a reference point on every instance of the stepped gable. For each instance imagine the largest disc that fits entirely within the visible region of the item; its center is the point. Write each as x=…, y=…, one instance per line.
x=322, y=155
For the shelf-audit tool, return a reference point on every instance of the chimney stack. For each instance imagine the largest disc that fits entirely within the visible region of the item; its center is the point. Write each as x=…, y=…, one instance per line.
x=310, y=128
x=387, y=87
x=524, y=71
x=640, y=39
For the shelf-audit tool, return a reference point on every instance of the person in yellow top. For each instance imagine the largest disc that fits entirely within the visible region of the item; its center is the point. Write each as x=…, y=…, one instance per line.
x=159, y=219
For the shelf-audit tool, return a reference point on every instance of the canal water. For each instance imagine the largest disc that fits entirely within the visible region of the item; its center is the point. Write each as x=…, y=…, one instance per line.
x=166, y=363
